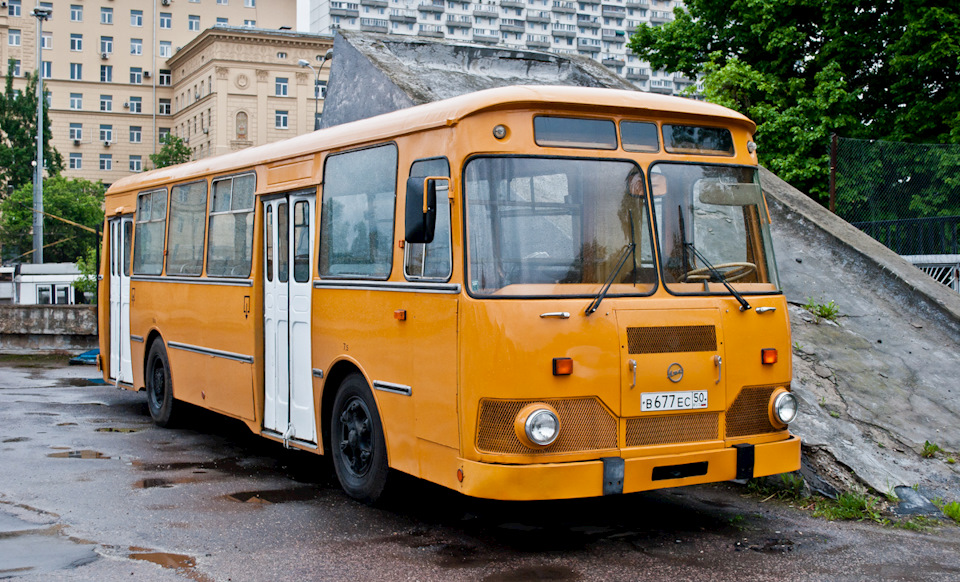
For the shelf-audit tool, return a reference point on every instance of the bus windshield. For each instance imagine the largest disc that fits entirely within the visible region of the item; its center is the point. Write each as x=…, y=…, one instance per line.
x=712, y=228
x=557, y=226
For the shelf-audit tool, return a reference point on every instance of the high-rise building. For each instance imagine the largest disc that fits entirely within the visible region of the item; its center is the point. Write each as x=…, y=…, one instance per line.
x=598, y=29
x=109, y=69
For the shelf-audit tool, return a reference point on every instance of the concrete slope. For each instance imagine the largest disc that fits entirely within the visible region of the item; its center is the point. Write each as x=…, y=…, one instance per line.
x=885, y=378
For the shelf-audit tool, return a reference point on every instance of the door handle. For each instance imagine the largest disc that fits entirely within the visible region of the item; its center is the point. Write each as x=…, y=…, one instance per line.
x=719, y=363
x=632, y=364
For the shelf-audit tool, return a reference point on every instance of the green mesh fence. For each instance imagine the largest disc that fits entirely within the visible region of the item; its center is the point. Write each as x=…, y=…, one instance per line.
x=907, y=196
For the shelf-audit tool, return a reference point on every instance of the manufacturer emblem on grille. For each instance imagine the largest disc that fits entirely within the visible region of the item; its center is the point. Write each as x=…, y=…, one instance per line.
x=675, y=372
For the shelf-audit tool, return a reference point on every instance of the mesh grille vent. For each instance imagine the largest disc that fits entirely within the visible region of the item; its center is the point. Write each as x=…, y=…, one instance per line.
x=672, y=338
x=676, y=428
x=585, y=425
x=748, y=414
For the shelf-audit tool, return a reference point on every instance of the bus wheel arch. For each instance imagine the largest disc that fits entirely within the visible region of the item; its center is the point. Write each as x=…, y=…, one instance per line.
x=355, y=435
x=158, y=382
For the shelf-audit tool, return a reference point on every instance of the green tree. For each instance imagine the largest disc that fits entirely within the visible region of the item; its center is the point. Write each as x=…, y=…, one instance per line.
x=803, y=69
x=174, y=151
x=18, y=132
x=80, y=201
x=87, y=282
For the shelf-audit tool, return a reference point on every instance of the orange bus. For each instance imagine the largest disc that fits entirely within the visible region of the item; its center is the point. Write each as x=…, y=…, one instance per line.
x=519, y=293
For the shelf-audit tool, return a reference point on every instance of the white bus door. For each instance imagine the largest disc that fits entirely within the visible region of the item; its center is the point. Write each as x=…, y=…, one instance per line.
x=287, y=282
x=121, y=234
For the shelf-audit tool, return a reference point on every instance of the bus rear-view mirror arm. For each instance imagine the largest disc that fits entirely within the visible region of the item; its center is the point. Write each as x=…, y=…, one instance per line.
x=421, y=208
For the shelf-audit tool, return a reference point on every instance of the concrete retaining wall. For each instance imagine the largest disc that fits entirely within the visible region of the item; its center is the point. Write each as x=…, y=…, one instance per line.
x=26, y=329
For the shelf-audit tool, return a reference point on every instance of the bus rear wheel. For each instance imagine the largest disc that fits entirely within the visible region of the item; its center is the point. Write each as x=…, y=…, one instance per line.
x=356, y=441
x=160, y=401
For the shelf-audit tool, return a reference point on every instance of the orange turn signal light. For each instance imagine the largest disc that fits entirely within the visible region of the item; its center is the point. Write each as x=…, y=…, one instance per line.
x=768, y=355
x=562, y=366
x=400, y=315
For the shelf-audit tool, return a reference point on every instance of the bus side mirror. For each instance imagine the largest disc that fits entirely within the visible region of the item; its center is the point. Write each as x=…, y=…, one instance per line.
x=421, y=209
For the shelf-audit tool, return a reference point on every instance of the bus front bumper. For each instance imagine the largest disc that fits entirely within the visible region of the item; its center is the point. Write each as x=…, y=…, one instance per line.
x=616, y=475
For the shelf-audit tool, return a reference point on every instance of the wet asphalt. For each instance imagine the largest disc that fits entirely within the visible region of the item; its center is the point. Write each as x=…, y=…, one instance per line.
x=90, y=489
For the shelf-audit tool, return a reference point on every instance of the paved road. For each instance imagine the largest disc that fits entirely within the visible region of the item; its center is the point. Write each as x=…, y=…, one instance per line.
x=91, y=490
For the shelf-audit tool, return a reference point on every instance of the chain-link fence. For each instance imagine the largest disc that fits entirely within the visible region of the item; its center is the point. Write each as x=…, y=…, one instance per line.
x=907, y=196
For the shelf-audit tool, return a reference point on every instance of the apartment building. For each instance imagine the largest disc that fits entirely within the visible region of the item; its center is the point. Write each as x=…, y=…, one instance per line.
x=598, y=29
x=107, y=66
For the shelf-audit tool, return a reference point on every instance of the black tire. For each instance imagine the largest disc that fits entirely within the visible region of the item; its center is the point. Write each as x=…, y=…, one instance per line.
x=356, y=441
x=159, y=386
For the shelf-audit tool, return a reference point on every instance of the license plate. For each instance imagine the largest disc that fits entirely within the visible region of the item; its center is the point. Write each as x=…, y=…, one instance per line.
x=692, y=399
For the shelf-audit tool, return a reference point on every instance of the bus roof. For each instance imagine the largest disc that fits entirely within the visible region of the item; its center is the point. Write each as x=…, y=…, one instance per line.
x=430, y=115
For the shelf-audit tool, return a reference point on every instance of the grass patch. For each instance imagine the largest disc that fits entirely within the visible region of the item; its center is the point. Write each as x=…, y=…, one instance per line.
x=820, y=311
x=930, y=450
x=951, y=510
x=851, y=507
x=788, y=487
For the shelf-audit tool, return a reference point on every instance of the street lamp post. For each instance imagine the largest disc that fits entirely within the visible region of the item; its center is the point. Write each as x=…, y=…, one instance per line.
x=316, y=84
x=41, y=14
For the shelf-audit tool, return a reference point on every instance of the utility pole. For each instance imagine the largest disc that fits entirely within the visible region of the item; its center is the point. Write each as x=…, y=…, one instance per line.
x=41, y=14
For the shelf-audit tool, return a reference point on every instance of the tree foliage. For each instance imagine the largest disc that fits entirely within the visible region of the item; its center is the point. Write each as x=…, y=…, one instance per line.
x=174, y=151
x=803, y=69
x=18, y=132
x=77, y=200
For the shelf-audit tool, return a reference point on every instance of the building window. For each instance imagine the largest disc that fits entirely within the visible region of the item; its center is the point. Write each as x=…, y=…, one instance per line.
x=165, y=78
x=136, y=18
x=250, y=3
x=136, y=164
x=281, y=86
x=136, y=75
x=106, y=103
x=221, y=2
x=46, y=69
x=136, y=46
x=106, y=44
x=13, y=37
x=76, y=42
x=136, y=134
x=162, y=134
x=44, y=295
x=76, y=161
x=221, y=21
x=106, y=16
x=166, y=50
x=13, y=8
x=76, y=101
x=46, y=41
x=76, y=13
x=250, y=23
x=76, y=131
x=136, y=105
x=106, y=133
x=76, y=71
x=106, y=162
x=193, y=22
x=242, y=126
x=106, y=73
x=164, y=108
x=15, y=67
x=281, y=119
x=166, y=20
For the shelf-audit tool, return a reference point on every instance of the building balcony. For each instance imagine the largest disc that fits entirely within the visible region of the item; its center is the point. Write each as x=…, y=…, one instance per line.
x=431, y=31
x=513, y=4
x=485, y=36
x=638, y=4
x=589, y=2
x=432, y=6
x=345, y=12
x=613, y=11
x=661, y=86
x=538, y=41
x=459, y=21
x=374, y=3
x=660, y=17
x=564, y=7
x=511, y=25
x=485, y=11
x=560, y=31
x=374, y=25
x=405, y=16
x=638, y=73
x=538, y=16
x=588, y=45
x=610, y=61
x=589, y=22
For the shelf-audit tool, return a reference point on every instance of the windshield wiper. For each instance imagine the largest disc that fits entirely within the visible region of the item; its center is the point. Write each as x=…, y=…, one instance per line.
x=743, y=302
x=627, y=251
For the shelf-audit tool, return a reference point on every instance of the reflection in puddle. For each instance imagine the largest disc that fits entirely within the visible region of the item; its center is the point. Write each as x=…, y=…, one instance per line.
x=112, y=429
x=84, y=454
x=276, y=495
x=183, y=564
x=155, y=482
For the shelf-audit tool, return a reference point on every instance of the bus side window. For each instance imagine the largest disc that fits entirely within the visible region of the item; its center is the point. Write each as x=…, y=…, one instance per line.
x=151, y=222
x=188, y=224
x=432, y=261
x=230, y=244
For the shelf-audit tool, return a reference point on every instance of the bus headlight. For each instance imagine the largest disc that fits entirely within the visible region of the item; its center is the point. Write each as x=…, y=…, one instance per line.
x=537, y=425
x=783, y=408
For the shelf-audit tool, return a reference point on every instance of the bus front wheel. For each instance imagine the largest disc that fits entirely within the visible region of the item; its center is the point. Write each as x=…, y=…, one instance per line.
x=356, y=441
x=159, y=387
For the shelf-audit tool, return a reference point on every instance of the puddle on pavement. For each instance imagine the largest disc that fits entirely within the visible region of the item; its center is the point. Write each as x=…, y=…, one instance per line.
x=16, y=440
x=79, y=382
x=159, y=482
x=28, y=547
x=115, y=429
x=275, y=496
x=41, y=414
x=531, y=573
x=182, y=564
x=84, y=454
x=67, y=424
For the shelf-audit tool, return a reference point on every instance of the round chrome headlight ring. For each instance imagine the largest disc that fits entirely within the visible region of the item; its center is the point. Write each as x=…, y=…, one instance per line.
x=537, y=425
x=785, y=406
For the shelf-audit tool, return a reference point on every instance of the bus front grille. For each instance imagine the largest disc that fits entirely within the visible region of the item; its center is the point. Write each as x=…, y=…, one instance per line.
x=748, y=415
x=585, y=425
x=671, y=338
x=676, y=428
